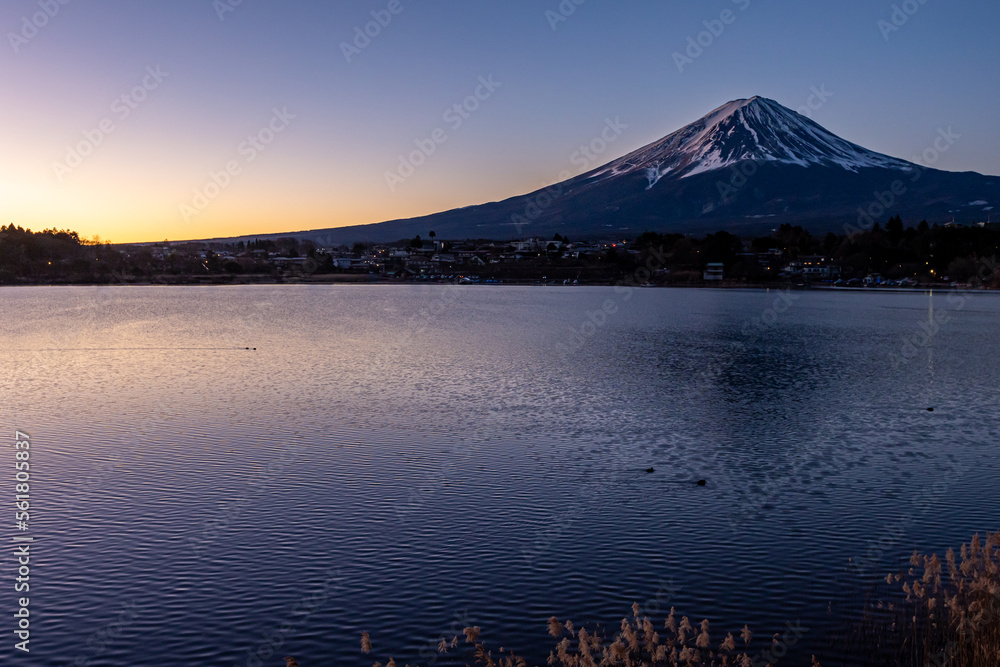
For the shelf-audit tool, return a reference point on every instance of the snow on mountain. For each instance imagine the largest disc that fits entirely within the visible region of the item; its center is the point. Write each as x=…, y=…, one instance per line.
x=755, y=129
x=806, y=176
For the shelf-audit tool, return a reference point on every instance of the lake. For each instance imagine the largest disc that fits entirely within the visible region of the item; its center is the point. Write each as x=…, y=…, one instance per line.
x=408, y=460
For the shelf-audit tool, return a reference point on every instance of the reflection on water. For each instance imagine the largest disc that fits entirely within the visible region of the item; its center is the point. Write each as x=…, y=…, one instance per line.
x=405, y=460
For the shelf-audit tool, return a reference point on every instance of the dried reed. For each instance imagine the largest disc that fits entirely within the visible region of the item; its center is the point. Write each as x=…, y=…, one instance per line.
x=939, y=613
x=638, y=643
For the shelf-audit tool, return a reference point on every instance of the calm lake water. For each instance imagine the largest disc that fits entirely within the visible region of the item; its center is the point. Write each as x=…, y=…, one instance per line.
x=407, y=460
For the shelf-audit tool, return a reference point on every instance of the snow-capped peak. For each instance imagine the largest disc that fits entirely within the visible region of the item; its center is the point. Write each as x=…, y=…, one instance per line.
x=755, y=129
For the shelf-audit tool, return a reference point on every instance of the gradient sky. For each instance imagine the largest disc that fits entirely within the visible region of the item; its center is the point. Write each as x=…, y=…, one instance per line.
x=354, y=119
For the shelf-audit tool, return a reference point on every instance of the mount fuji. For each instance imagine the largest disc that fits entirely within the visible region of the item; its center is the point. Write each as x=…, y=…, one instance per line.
x=746, y=167
x=757, y=130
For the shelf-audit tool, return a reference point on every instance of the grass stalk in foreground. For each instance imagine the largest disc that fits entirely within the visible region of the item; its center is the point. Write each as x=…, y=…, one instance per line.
x=938, y=614
x=638, y=643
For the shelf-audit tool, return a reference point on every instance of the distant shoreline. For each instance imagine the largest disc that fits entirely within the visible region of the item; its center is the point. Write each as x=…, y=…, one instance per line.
x=361, y=280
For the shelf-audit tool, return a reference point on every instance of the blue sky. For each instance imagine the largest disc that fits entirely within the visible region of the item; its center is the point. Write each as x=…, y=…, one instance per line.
x=556, y=77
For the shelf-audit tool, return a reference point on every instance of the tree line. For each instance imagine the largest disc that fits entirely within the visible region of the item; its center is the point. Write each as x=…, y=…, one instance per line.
x=926, y=252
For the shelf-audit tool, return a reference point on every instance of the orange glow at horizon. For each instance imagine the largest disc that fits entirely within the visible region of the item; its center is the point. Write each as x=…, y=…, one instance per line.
x=157, y=204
